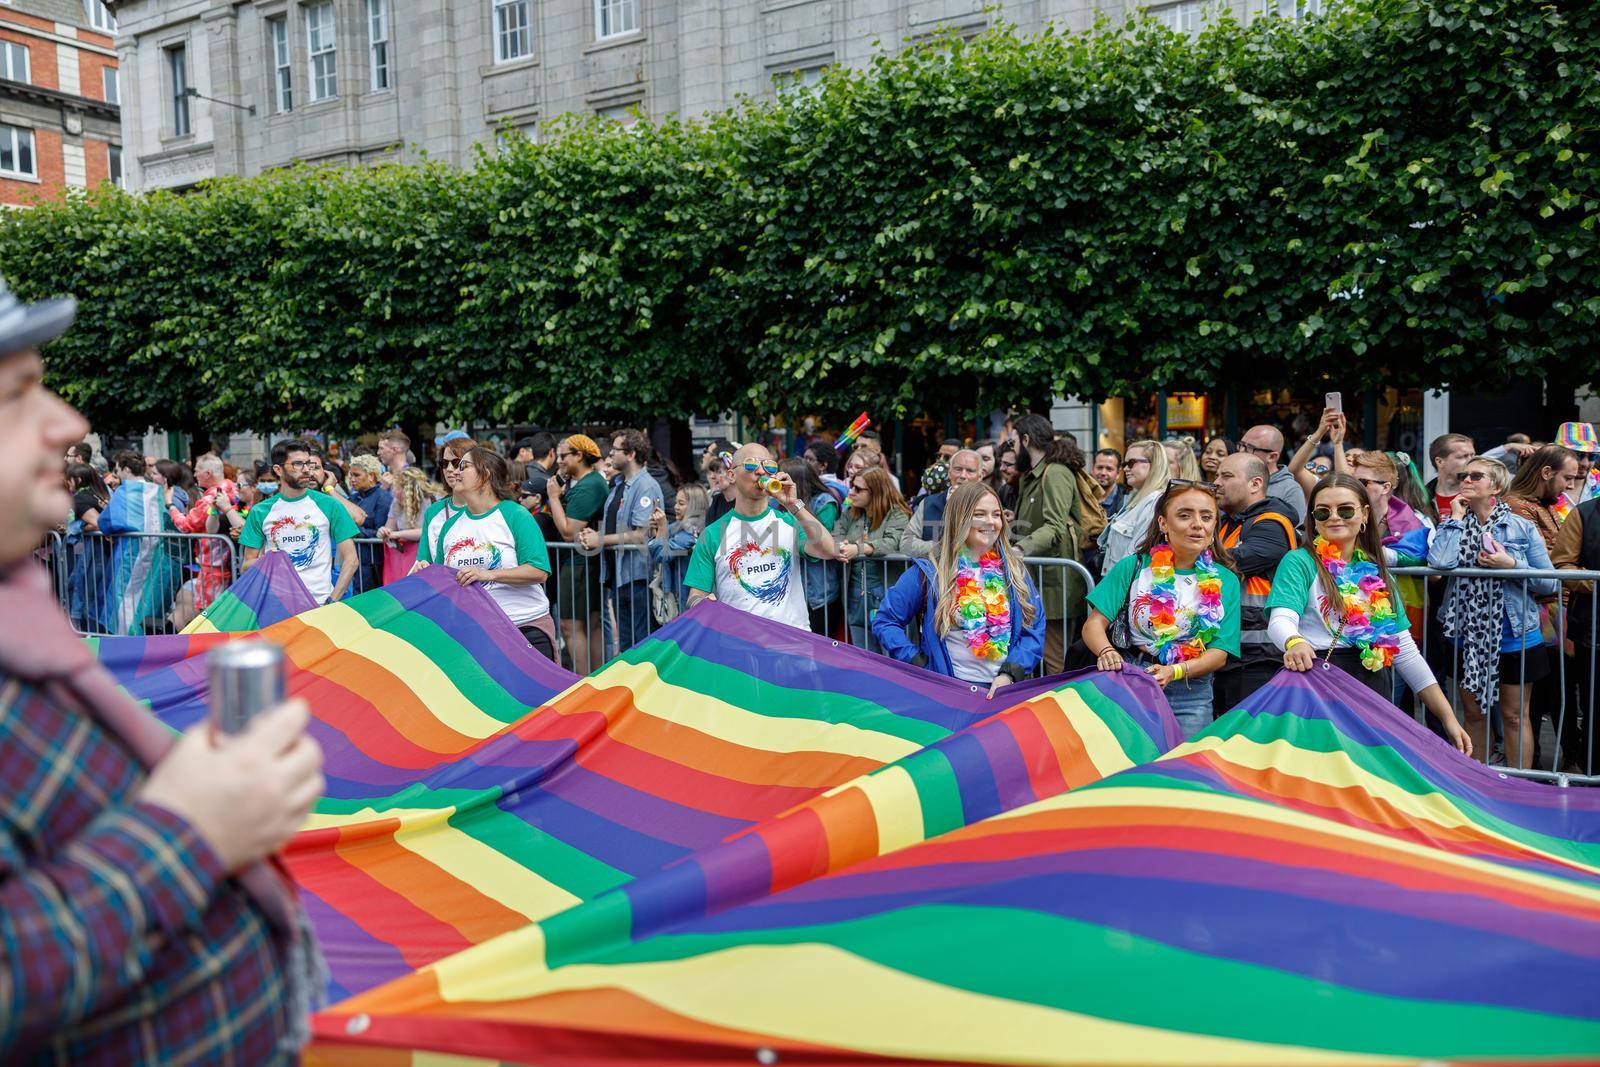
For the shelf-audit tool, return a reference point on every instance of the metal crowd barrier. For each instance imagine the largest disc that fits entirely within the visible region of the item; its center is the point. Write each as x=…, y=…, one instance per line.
x=1544, y=730
x=137, y=583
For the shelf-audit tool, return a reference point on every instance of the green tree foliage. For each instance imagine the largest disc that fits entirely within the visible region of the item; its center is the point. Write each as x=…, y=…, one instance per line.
x=1404, y=192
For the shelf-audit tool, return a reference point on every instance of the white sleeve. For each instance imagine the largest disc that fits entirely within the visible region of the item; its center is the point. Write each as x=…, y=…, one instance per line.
x=1281, y=626
x=1410, y=664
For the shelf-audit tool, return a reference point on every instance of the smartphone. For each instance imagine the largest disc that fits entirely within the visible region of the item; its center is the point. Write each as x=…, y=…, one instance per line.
x=1490, y=545
x=1333, y=402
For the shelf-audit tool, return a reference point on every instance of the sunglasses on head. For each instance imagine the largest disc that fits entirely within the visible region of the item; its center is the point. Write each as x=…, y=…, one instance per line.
x=1344, y=511
x=767, y=468
x=1189, y=483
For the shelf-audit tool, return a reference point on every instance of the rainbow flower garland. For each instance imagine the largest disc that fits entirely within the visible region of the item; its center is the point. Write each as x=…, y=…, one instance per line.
x=1371, y=623
x=1181, y=633
x=1561, y=508
x=983, y=605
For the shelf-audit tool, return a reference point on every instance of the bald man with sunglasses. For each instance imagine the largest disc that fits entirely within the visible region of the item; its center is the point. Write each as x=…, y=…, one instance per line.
x=750, y=557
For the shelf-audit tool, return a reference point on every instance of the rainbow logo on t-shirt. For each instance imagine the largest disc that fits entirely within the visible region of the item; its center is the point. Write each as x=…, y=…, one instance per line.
x=471, y=552
x=297, y=536
x=763, y=571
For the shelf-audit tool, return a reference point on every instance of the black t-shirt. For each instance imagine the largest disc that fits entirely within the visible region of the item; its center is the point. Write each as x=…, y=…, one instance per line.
x=83, y=501
x=720, y=506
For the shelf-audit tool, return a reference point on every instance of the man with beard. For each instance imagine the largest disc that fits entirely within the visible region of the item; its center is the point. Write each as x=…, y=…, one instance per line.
x=303, y=522
x=1543, y=480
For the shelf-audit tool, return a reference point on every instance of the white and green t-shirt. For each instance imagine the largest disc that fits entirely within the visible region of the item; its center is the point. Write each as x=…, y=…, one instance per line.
x=1295, y=586
x=505, y=536
x=1128, y=584
x=305, y=529
x=753, y=563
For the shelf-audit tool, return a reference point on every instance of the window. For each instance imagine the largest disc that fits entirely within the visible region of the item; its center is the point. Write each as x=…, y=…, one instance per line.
x=111, y=82
x=99, y=16
x=1185, y=17
x=324, y=57
x=615, y=17
x=1297, y=10
x=114, y=165
x=16, y=151
x=14, y=61
x=802, y=80
x=511, y=30
x=283, y=70
x=378, y=34
x=178, y=75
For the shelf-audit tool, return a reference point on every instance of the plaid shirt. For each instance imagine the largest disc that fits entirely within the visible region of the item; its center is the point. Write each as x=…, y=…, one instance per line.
x=120, y=940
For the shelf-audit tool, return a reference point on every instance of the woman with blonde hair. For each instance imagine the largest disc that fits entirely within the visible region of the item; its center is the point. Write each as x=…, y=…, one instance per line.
x=1181, y=460
x=982, y=619
x=873, y=522
x=1147, y=474
x=414, y=494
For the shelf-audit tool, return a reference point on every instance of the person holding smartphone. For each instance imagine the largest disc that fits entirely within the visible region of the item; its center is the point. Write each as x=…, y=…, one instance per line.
x=1494, y=622
x=1334, y=603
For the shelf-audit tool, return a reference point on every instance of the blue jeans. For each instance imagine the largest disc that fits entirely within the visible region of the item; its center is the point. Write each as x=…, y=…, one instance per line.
x=1190, y=699
x=629, y=605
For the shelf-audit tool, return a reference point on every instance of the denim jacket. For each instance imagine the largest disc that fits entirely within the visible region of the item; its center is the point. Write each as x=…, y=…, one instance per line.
x=916, y=596
x=1523, y=542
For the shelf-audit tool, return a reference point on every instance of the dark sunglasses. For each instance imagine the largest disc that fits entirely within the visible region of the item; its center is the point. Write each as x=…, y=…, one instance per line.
x=1189, y=483
x=454, y=464
x=1473, y=476
x=1344, y=511
x=859, y=489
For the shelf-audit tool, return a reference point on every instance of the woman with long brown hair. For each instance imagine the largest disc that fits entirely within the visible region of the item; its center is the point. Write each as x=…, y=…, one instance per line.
x=1335, y=600
x=982, y=618
x=492, y=541
x=1173, y=605
x=872, y=524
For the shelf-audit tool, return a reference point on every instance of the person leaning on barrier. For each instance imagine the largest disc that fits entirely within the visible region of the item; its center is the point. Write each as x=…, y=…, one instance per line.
x=1147, y=475
x=981, y=618
x=927, y=518
x=138, y=924
x=577, y=501
x=1334, y=600
x=1494, y=623
x=870, y=527
x=748, y=559
x=1257, y=534
x=1173, y=606
x=1058, y=514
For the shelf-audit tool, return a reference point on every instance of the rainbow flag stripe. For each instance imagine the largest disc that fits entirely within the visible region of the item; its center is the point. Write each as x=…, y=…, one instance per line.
x=1314, y=879
x=443, y=829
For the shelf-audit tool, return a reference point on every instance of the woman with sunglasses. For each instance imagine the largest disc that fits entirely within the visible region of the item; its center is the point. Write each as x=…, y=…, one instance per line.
x=982, y=619
x=1147, y=475
x=1335, y=601
x=1173, y=606
x=873, y=522
x=1493, y=622
x=492, y=541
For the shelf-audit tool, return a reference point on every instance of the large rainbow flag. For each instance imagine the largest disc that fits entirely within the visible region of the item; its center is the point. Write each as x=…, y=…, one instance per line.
x=1315, y=879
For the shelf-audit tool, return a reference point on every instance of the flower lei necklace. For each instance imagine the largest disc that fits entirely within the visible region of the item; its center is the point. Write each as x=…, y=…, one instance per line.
x=1561, y=508
x=983, y=605
x=1370, y=622
x=1181, y=633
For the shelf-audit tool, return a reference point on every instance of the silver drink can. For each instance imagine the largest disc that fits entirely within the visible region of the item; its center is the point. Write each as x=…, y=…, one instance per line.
x=244, y=678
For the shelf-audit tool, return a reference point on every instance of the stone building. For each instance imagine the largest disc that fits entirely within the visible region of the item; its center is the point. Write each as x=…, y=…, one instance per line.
x=354, y=81
x=60, y=123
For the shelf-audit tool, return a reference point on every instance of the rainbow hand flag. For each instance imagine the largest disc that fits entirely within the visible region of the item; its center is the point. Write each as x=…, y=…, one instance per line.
x=1314, y=879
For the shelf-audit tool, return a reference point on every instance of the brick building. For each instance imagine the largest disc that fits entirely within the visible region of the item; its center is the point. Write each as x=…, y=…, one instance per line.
x=60, y=119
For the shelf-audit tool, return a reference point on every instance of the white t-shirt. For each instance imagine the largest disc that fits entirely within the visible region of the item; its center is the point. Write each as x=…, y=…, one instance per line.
x=965, y=665
x=505, y=536
x=304, y=529
x=753, y=564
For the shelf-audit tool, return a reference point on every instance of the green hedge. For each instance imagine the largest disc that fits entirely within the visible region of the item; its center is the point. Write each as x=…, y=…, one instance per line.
x=1406, y=191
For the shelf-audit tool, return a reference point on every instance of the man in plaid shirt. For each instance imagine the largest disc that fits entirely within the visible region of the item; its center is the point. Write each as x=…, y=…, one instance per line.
x=138, y=921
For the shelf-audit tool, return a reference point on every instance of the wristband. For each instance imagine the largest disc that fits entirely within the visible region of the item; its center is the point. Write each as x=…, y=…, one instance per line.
x=1103, y=651
x=1177, y=672
x=1294, y=641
